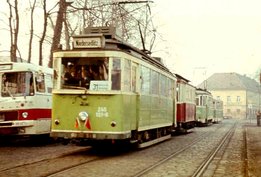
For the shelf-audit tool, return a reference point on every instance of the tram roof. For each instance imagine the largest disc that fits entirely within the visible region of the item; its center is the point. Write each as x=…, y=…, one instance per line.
x=202, y=91
x=112, y=41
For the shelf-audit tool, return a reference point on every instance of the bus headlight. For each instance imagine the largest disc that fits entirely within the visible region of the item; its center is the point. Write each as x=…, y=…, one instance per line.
x=25, y=115
x=83, y=116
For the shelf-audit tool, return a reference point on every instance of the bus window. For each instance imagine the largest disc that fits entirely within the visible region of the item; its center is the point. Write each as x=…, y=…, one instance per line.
x=17, y=84
x=40, y=85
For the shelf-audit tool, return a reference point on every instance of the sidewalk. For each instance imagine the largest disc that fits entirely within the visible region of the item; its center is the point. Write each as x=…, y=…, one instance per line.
x=253, y=134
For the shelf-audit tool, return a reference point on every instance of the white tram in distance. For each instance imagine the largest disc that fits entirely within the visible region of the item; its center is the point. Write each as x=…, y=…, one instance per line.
x=25, y=99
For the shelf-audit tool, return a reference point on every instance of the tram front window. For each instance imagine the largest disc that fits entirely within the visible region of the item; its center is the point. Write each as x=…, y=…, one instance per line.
x=17, y=84
x=84, y=72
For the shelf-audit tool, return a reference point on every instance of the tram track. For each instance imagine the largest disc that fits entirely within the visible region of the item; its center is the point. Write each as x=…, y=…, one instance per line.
x=199, y=167
x=245, y=153
x=52, y=165
x=224, y=141
x=174, y=154
x=166, y=159
x=45, y=159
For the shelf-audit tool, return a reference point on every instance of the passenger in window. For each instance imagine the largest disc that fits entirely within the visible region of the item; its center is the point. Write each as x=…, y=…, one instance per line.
x=94, y=71
x=103, y=70
x=67, y=75
x=70, y=77
x=84, y=78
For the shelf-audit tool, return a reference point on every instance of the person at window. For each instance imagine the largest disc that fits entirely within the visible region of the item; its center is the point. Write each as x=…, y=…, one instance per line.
x=94, y=72
x=70, y=76
x=84, y=79
x=103, y=71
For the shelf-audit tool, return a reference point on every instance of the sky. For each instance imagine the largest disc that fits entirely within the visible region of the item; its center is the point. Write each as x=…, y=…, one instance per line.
x=210, y=36
x=197, y=38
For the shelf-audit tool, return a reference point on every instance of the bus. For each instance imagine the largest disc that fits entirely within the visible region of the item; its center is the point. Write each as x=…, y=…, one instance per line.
x=25, y=99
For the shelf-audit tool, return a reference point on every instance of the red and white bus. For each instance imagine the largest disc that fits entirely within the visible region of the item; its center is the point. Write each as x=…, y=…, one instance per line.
x=25, y=99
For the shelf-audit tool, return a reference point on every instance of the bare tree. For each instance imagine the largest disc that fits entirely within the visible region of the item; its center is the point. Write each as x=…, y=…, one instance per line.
x=14, y=29
x=32, y=7
x=58, y=29
x=43, y=34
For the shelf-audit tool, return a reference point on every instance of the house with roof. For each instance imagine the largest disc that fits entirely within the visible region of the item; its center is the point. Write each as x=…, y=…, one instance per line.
x=239, y=93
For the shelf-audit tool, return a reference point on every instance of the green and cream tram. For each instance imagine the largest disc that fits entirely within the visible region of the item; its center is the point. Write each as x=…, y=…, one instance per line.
x=107, y=90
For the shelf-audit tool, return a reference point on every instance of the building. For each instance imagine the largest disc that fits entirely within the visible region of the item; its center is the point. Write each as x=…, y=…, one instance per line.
x=240, y=94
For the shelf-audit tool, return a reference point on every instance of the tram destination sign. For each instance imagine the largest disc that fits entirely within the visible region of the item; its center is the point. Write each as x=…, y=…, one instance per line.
x=88, y=41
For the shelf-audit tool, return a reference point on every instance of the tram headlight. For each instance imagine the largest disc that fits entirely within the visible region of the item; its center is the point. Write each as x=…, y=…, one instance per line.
x=25, y=115
x=83, y=116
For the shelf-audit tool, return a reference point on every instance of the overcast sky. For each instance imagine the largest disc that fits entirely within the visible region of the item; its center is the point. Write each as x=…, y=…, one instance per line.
x=209, y=36
x=203, y=37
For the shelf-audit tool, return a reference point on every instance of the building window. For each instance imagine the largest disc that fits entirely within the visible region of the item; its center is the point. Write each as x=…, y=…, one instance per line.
x=228, y=99
x=238, y=98
x=218, y=97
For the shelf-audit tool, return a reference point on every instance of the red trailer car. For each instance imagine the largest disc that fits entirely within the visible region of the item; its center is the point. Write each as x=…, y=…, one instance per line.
x=186, y=105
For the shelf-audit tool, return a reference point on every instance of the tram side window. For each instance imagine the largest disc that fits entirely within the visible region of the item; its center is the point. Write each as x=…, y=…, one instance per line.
x=116, y=74
x=197, y=101
x=133, y=78
x=171, y=89
x=127, y=75
x=145, y=80
x=154, y=82
x=163, y=85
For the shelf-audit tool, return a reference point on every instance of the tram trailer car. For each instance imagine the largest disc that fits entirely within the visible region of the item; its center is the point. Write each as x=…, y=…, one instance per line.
x=218, y=111
x=119, y=92
x=204, y=107
x=25, y=99
x=186, y=105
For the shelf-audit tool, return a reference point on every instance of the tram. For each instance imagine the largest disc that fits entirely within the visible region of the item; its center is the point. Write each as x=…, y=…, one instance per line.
x=25, y=99
x=186, y=105
x=108, y=90
x=204, y=107
x=218, y=111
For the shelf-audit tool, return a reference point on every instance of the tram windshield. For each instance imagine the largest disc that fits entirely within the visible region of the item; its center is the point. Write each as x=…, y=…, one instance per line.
x=17, y=84
x=86, y=73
